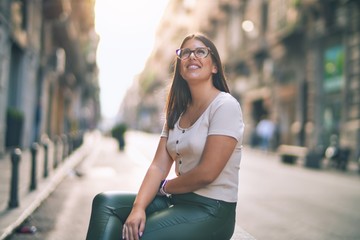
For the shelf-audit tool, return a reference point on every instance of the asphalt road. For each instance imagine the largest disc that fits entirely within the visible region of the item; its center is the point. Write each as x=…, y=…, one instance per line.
x=276, y=201
x=279, y=201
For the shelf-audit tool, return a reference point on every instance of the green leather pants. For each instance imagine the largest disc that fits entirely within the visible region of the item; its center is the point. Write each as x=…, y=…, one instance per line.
x=181, y=217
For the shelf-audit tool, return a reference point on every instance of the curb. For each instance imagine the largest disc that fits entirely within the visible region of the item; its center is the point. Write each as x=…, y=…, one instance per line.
x=11, y=219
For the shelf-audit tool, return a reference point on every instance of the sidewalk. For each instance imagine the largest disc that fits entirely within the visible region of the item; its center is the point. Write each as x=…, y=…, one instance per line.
x=30, y=200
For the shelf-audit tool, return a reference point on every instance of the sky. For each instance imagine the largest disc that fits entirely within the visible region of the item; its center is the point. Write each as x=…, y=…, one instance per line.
x=127, y=34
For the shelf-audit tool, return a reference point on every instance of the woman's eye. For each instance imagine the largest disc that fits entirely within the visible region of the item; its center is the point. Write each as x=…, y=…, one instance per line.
x=200, y=52
x=185, y=52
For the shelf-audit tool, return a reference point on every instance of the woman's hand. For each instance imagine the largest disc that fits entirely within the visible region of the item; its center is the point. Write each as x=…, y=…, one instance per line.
x=134, y=225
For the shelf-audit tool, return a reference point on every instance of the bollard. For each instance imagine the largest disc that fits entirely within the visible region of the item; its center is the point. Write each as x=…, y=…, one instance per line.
x=14, y=187
x=56, y=152
x=65, y=146
x=77, y=139
x=60, y=149
x=70, y=143
x=34, y=150
x=46, y=158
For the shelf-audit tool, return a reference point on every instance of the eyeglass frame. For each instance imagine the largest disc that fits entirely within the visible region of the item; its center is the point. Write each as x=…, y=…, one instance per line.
x=193, y=51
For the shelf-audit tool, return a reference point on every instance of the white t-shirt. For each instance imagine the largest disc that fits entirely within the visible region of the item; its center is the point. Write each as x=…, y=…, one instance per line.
x=222, y=117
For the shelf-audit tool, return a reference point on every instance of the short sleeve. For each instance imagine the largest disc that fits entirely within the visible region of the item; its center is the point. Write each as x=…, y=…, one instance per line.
x=226, y=119
x=165, y=131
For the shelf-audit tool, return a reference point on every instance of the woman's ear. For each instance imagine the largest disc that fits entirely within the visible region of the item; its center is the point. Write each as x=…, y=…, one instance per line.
x=214, y=69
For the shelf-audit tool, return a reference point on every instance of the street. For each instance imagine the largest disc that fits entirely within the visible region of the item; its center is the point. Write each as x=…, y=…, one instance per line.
x=276, y=201
x=279, y=201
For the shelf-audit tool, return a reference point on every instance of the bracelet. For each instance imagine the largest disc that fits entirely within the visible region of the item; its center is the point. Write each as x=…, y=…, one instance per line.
x=162, y=191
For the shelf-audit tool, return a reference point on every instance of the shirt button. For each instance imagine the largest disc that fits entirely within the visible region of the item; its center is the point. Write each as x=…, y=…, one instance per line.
x=183, y=131
x=178, y=154
x=177, y=141
x=180, y=162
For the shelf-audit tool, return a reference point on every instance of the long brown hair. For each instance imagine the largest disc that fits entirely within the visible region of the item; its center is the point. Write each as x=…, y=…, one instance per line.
x=179, y=96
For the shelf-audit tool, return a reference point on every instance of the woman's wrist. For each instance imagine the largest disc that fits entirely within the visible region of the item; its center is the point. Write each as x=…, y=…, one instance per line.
x=137, y=209
x=162, y=191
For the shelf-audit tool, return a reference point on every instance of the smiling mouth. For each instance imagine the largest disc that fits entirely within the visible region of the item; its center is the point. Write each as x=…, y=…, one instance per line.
x=192, y=67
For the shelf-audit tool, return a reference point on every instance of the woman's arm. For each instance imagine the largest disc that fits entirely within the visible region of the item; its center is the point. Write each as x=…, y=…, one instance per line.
x=158, y=170
x=218, y=150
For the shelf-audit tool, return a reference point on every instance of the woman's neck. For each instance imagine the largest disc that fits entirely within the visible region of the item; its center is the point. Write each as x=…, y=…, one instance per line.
x=201, y=99
x=202, y=95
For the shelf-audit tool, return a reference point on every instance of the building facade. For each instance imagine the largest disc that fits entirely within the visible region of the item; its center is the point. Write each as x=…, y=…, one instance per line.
x=48, y=80
x=296, y=62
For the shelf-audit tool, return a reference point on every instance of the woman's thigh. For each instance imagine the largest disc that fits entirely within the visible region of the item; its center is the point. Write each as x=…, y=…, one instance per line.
x=112, y=203
x=108, y=212
x=111, y=209
x=191, y=222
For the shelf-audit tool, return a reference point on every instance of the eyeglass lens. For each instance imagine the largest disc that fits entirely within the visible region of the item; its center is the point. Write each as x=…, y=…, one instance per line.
x=198, y=52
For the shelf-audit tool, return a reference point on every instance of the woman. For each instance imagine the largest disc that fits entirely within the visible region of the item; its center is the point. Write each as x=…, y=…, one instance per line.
x=202, y=137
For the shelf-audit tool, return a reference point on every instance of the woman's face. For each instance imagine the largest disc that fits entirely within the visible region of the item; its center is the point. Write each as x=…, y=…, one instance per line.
x=195, y=69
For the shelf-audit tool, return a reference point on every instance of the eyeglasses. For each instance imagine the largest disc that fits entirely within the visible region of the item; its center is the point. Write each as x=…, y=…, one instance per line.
x=200, y=52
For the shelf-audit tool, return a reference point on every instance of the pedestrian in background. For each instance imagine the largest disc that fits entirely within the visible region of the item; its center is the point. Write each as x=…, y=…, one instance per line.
x=202, y=136
x=265, y=130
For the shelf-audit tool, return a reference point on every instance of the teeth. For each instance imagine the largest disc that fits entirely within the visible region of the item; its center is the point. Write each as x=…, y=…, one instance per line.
x=193, y=67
